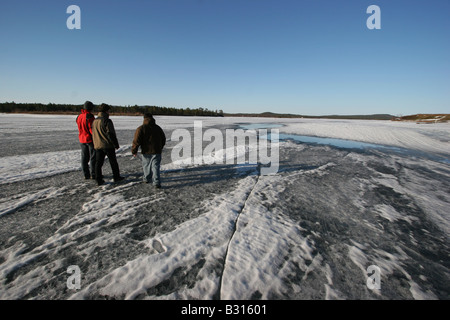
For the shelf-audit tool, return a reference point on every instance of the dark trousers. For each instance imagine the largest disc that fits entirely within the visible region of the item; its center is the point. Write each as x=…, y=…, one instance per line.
x=88, y=157
x=101, y=154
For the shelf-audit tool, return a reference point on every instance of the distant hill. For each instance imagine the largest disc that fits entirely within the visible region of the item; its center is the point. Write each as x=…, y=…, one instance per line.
x=288, y=115
x=425, y=118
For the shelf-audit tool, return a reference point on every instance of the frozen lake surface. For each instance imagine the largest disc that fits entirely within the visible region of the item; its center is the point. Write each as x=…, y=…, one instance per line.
x=222, y=231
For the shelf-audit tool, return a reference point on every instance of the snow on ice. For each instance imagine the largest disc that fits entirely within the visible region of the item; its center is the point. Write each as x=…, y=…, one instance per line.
x=222, y=231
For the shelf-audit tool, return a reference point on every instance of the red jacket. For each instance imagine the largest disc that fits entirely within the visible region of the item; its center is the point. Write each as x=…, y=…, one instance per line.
x=84, y=122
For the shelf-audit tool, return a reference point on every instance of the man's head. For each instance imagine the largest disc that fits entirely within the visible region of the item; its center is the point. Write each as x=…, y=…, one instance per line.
x=148, y=116
x=89, y=106
x=104, y=107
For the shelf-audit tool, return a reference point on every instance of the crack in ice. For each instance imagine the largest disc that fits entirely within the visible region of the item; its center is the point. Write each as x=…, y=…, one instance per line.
x=232, y=236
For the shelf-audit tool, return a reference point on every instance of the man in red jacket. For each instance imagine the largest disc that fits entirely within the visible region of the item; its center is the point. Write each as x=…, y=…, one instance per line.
x=84, y=122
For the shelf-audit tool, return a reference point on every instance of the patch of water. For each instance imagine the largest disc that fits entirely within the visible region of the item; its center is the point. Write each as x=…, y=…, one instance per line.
x=350, y=144
x=341, y=143
x=254, y=126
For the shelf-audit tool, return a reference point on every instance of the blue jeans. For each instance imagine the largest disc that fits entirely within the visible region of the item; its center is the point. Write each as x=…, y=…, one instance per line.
x=88, y=156
x=151, y=164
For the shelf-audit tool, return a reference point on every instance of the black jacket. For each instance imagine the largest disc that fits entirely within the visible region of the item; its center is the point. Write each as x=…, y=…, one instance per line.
x=150, y=137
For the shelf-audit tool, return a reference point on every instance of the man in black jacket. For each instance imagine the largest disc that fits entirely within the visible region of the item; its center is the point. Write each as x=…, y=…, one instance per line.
x=151, y=138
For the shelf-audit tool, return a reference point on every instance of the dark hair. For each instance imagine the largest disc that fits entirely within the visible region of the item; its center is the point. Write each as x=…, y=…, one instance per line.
x=88, y=106
x=148, y=115
x=104, y=107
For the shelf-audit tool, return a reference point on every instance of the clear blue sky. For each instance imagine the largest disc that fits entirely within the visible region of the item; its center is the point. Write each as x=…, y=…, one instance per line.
x=311, y=57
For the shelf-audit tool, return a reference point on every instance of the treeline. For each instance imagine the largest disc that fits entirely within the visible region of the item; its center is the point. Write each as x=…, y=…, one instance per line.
x=12, y=107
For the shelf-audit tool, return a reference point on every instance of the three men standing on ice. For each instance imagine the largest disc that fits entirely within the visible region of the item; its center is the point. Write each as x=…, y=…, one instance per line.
x=98, y=139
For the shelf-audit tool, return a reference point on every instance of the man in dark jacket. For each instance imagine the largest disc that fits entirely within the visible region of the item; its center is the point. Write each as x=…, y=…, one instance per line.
x=105, y=141
x=151, y=138
x=84, y=123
